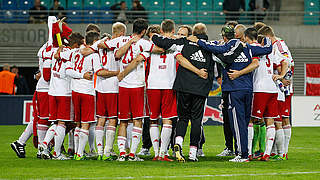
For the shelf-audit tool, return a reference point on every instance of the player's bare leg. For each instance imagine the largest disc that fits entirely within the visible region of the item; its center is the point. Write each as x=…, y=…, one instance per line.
x=110, y=136
x=136, y=136
x=122, y=138
x=165, y=139
x=83, y=139
x=99, y=136
x=270, y=138
x=155, y=137
x=287, y=134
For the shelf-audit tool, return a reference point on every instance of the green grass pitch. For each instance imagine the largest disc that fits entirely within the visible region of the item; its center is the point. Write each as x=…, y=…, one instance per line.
x=303, y=162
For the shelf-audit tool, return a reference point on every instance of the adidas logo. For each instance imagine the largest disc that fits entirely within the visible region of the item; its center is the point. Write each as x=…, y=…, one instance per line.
x=286, y=110
x=259, y=112
x=135, y=137
x=241, y=58
x=198, y=56
x=156, y=140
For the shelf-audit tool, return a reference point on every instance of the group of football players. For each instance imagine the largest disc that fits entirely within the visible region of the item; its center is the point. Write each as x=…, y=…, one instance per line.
x=90, y=85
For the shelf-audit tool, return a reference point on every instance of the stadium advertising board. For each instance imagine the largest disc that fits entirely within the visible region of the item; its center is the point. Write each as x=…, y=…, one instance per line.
x=306, y=111
x=27, y=111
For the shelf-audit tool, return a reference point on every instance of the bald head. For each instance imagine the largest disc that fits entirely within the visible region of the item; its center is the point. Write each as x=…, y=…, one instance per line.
x=199, y=28
x=239, y=31
x=6, y=67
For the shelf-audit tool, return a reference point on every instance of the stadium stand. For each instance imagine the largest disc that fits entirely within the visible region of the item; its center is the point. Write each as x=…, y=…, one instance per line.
x=157, y=15
x=204, y=8
x=74, y=15
x=311, y=7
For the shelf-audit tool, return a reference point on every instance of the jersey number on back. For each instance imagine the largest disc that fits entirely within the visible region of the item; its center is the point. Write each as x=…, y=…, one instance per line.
x=268, y=62
x=78, y=64
x=58, y=63
x=104, y=58
x=128, y=58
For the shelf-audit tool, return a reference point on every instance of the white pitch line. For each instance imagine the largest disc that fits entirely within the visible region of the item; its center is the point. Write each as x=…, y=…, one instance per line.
x=199, y=176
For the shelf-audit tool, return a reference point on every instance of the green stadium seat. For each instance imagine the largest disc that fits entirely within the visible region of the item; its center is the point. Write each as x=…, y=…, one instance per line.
x=172, y=10
x=311, y=8
x=157, y=16
x=74, y=16
x=47, y=3
x=74, y=4
x=106, y=4
x=218, y=17
x=91, y=4
x=204, y=9
x=146, y=4
x=188, y=12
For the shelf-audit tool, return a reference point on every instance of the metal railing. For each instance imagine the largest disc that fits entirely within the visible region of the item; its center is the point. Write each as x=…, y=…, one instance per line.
x=180, y=17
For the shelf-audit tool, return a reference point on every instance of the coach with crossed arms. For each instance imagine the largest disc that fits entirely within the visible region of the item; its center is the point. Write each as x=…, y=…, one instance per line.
x=192, y=90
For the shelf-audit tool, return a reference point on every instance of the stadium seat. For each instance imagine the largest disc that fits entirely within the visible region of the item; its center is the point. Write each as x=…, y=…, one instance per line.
x=188, y=12
x=91, y=16
x=204, y=8
x=74, y=16
x=146, y=4
x=91, y=4
x=311, y=8
x=105, y=16
x=63, y=3
x=47, y=3
x=157, y=16
x=218, y=17
x=172, y=10
x=9, y=13
x=9, y=5
x=106, y=4
x=25, y=4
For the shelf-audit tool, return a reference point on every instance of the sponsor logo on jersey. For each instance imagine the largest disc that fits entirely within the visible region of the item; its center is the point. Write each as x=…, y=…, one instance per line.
x=198, y=56
x=241, y=58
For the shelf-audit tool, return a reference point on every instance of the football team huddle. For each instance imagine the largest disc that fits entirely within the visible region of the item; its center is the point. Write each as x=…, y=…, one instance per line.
x=88, y=86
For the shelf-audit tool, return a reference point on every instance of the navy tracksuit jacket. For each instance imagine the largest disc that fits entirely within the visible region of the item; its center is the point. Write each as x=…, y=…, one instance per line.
x=240, y=92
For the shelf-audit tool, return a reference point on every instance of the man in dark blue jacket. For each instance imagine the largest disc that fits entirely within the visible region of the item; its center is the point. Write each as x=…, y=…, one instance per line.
x=239, y=89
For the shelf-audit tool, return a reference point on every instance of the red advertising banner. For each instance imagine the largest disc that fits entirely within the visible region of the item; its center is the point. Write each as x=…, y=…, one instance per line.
x=312, y=80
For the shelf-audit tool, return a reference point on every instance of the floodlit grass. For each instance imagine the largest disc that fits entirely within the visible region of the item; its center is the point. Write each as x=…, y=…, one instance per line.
x=303, y=162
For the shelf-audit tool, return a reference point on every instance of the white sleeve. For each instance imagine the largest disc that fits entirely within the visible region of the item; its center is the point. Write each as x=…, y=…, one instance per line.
x=95, y=45
x=65, y=55
x=112, y=44
x=41, y=49
x=145, y=45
